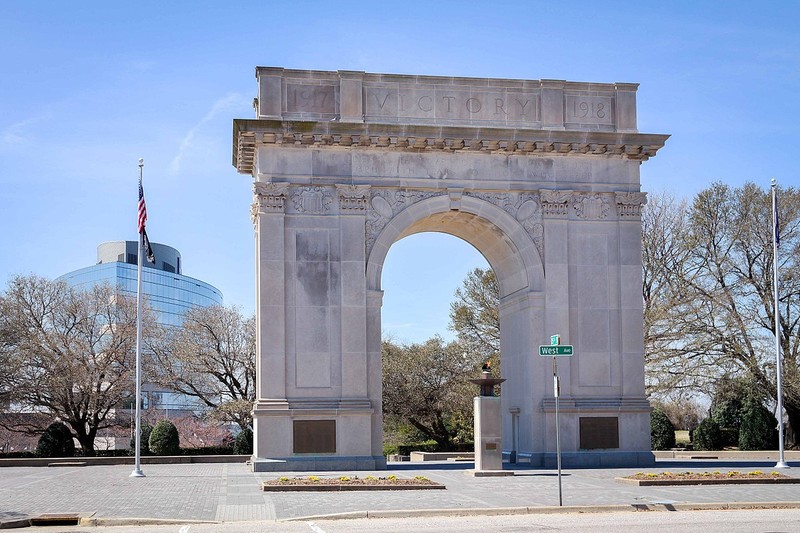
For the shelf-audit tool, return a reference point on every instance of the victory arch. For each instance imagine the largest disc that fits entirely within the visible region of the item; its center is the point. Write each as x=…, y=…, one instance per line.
x=541, y=176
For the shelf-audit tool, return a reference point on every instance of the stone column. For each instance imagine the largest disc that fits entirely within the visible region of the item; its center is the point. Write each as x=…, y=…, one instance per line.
x=268, y=219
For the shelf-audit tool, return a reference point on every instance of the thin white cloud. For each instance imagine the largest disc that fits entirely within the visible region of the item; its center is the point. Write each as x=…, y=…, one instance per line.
x=227, y=102
x=400, y=326
x=18, y=133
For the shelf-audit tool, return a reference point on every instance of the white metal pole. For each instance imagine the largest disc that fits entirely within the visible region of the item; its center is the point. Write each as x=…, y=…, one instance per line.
x=137, y=468
x=778, y=359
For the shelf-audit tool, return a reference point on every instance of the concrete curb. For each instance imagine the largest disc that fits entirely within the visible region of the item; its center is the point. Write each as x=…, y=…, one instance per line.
x=94, y=521
x=579, y=509
x=13, y=523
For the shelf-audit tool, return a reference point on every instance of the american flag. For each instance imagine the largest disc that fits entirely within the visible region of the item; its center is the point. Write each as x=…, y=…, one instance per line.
x=148, y=250
x=142, y=208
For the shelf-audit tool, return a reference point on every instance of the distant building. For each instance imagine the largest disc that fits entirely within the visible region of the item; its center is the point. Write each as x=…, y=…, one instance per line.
x=169, y=293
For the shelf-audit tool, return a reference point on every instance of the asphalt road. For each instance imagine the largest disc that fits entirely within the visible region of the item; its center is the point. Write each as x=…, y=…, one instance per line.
x=749, y=521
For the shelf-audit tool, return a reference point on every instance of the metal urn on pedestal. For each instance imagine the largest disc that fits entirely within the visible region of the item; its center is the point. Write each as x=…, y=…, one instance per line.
x=488, y=428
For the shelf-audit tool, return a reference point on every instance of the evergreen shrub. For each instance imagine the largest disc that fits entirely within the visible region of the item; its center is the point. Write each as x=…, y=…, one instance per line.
x=164, y=439
x=56, y=441
x=145, y=442
x=758, y=430
x=243, y=443
x=708, y=435
x=662, y=432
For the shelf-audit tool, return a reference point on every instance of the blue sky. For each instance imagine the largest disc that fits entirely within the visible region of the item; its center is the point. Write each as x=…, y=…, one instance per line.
x=89, y=87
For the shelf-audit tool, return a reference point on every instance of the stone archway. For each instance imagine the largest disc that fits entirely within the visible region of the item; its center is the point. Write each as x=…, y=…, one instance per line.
x=541, y=176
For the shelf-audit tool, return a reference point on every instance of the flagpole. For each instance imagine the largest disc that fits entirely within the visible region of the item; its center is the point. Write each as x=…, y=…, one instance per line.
x=778, y=360
x=137, y=468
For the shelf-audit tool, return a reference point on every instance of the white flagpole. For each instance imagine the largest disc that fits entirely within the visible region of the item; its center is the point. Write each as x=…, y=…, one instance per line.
x=778, y=360
x=137, y=468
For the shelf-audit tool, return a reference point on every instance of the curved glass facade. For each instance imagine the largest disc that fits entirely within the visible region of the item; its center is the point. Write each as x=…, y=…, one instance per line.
x=168, y=292
x=170, y=295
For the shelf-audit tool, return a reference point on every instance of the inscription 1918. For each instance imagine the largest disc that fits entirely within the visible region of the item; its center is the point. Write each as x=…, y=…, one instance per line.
x=589, y=109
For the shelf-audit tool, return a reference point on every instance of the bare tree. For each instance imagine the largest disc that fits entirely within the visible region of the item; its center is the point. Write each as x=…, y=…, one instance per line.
x=211, y=357
x=711, y=314
x=67, y=353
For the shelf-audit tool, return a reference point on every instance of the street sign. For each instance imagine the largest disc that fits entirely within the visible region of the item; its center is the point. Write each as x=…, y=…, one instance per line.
x=553, y=351
x=555, y=340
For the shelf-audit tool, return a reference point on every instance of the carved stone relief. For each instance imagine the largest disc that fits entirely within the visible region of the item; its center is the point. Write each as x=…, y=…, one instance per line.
x=352, y=198
x=555, y=203
x=592, y=207
x=268, y=198
x=525, y=207
x=386, y=203
x=629, y=204
x=311, y=200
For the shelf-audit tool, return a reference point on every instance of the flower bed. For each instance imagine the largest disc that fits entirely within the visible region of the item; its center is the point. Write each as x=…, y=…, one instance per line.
x=706, y=478
x=344, y=483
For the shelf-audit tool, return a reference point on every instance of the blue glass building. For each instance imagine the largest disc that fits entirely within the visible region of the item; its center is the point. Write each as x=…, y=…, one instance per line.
x=168, y=292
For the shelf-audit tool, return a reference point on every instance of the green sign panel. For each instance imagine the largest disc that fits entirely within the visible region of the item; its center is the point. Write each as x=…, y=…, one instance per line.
x=552, y=351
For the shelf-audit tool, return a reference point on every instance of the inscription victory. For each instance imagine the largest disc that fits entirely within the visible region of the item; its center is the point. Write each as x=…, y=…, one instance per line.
x=447, y=103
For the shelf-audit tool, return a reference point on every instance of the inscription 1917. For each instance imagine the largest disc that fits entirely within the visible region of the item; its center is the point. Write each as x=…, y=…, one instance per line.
x=310, y=98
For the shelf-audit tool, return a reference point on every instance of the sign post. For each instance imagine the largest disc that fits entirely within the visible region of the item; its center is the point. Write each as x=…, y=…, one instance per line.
x=556, y=349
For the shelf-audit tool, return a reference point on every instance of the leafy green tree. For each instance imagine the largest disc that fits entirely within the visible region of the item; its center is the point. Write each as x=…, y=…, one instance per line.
x=425, y=385
x=662, y=432
x=164, y=439
x=475, y=318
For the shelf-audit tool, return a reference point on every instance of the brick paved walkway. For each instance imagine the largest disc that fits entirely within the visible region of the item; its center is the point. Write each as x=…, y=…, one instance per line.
x=230, y=492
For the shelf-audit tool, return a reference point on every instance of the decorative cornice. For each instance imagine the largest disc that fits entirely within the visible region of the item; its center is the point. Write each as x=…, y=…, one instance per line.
x=249, y=134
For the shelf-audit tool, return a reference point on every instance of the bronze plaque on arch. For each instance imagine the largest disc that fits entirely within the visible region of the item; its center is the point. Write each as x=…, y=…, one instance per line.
x=599, y=432
x=314, y=436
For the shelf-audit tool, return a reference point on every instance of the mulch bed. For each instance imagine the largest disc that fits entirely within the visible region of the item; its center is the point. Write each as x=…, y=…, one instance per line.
x=347, y=483
x=732, y=477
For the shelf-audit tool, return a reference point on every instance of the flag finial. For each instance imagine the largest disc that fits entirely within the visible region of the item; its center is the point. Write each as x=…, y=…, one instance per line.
x=141, y=162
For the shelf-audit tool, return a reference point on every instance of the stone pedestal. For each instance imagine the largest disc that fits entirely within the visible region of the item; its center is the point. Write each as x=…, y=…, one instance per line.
x=488, y=434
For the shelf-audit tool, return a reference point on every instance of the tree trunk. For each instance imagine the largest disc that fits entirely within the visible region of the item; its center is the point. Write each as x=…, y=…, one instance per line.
x=793, y=427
